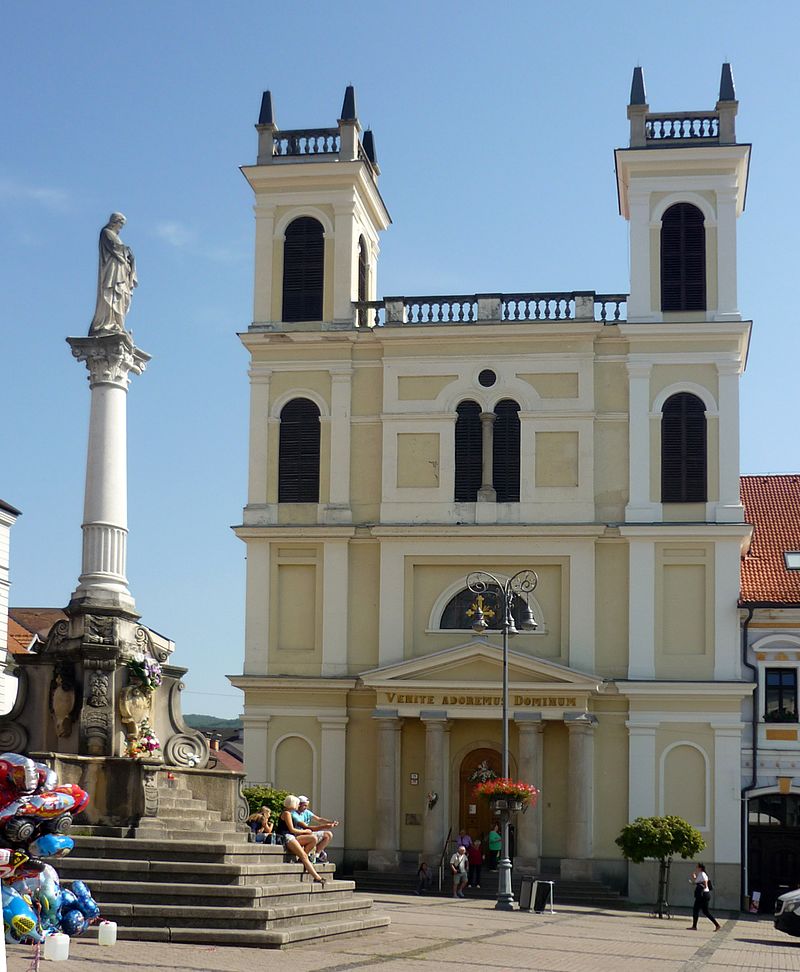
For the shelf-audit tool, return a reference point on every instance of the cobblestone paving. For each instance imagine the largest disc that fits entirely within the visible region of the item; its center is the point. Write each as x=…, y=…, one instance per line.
x=428, y=934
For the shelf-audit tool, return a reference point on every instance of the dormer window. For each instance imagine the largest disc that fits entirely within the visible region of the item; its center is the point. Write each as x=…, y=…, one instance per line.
x=792, y=559
x=683, y=259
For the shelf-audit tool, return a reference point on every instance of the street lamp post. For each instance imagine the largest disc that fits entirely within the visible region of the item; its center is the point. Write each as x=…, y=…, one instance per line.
x=518, y=587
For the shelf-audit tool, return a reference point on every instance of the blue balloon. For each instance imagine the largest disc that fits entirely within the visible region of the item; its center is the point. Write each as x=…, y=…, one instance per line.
x=21, y=923
x=51, y=845
x=86, y=902
x=73, y=923
x=68, y=900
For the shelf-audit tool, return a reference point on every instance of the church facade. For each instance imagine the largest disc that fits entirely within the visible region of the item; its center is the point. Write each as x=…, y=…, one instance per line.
x=399, y=444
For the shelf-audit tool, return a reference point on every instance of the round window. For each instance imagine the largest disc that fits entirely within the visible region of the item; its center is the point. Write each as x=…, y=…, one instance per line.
x=487, y=378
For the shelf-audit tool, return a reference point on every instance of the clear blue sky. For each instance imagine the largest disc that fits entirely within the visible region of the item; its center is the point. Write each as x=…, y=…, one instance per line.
x=495, y=126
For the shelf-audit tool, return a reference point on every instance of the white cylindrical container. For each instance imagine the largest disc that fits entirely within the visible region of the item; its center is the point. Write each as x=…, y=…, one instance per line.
x=107, y=933
x=56, y=947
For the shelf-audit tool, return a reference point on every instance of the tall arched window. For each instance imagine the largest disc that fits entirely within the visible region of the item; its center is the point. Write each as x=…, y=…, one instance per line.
x=468, y=452
x=505, y=456
x=298, y=456
x=683, y=450
x=303, y=266
x=683, y=259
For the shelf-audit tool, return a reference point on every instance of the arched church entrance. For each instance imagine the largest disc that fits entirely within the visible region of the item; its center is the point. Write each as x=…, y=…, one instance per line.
x=773, y=846
x=474, y=815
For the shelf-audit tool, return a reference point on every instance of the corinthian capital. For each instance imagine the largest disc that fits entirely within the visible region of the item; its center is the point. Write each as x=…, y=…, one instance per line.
x=110, y=358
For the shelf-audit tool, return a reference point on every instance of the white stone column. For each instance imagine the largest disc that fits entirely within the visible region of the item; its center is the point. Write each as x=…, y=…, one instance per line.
x=259, y=438
x=580, y=805
x=641, y=769
x=335, y=596
x=727, y=299
x=256, y=619
x=640, y=302
x=345, y=262
x=729, y=508
x=727, y=792
x=436, y=782
x=265, y=244
x=385, y=856
x=640, y=508
x=641, y=608
x=338, y=510
x=110, y=359
x=531, y=766
x=333, y=749
x=256, y=746
x=487, y=493
x=392, y=599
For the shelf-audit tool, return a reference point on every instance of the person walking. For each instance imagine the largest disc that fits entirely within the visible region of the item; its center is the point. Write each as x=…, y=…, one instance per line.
x=458, y=865
x=702, y=895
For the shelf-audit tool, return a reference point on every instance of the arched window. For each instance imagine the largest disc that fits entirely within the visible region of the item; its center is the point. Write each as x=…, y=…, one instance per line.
x=468, y=452
x=683, y=450
x=461, y=609
x=298, y=456
x=505, y=457
x=303, y=265
x=683, y=259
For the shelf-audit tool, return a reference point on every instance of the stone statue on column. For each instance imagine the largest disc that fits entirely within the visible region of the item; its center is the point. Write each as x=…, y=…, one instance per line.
x=116, y=279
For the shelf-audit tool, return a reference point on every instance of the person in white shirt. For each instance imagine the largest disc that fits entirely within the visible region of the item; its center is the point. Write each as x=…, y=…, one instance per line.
x=458, y=865
x=702, y=895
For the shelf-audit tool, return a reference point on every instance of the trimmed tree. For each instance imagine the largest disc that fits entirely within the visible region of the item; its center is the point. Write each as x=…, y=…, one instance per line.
x=659, y=838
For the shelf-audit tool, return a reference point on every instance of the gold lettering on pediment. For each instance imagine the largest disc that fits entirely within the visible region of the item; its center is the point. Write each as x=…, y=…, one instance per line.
x=522, y=701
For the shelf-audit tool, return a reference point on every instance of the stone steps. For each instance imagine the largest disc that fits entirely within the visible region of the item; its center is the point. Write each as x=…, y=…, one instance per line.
x=215, y=891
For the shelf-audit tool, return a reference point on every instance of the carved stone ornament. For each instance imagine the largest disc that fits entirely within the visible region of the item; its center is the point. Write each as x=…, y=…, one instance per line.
x=64, y=698
x=13, y=738
x=110, y=358
x=96, y=726
x=98, y=690
x=99, y=630
x=150, y=793
x=184, y=749
x=242, y=806
x=144, y=643
x=56, y=637
x=135, y=706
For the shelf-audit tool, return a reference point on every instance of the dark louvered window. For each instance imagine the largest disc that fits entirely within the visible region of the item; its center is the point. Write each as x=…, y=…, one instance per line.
x=683, y=259
x=303, y=263
x=506, y=451
x=683, y=450
x=468, y=452
x=298, y=457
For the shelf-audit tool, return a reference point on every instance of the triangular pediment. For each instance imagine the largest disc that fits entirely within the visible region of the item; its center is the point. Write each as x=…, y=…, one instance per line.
x=476, y=664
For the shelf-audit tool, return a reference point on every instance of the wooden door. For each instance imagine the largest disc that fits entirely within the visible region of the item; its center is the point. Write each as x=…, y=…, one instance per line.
x=474, y=815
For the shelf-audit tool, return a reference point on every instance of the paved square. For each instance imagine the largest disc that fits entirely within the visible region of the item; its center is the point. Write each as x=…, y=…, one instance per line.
x=429, y=933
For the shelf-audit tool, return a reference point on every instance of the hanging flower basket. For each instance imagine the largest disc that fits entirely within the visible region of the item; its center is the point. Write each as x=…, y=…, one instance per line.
x=504, y=794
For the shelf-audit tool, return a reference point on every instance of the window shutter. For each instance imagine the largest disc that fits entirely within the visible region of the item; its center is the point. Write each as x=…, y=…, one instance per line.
x=506, y=452
x=469, y=452
x=298, y=457
x=683, y=259
x=683, y=450
x=303, y=270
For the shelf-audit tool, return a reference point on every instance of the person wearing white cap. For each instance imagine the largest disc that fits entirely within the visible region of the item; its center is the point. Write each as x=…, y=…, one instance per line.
x=305, y=817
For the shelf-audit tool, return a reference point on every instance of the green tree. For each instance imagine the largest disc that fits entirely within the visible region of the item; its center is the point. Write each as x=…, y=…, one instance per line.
x=257, y=796
x=659, y=838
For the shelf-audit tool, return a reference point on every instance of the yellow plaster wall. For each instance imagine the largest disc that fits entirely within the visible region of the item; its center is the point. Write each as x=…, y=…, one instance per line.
x=610, y=787
x=366, y=463
x=298, y=741
x=553, y=384
x=555, y=790
x=364, y=595
x=556, y=458
x=412, y=798
x=367, y=391
x=611, y=610
x=418, y=459
x=295, y=620
x=684, y=615
x=610, y=470
x=423, y=388
x=671, y=785
x=360, y=773
x=610, y=386
x=685, y=785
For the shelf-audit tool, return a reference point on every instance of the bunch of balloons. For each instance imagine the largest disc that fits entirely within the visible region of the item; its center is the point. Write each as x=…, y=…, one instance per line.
x=35, y=816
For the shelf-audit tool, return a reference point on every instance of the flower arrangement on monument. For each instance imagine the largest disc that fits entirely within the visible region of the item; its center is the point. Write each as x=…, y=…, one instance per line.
x=145, y=744
x=505, y=789
x=146, y=671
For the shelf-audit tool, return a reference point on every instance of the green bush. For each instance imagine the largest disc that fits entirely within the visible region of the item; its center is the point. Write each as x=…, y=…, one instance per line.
x=658, y=838
x=257, y=796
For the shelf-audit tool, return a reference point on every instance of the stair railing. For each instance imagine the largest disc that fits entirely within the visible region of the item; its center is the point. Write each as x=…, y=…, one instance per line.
x=442, y=859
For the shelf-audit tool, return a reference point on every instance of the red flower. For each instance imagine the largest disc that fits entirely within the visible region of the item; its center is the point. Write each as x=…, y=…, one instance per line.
x=513, y=789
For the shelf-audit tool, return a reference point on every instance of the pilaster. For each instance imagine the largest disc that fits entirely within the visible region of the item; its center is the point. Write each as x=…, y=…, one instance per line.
x=436, y=746
x=640, y=508
x=640, y=306
x=529, y=824
x=335, y=595
x=641, y=770
x=727, y=793
x=264, y=250
x=333, y=759
x=641, y=608
x=345, y=266
x=338, y=510
x=256, y=636
x=580, y=823
x=386, y=854
x=729, y=508
x=727, y=299
x=259, y=438
x=256, y=747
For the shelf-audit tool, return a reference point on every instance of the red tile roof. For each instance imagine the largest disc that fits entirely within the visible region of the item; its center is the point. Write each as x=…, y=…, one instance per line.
x=38, y=621
x=19, y=638
x=772, y=505
x=227, y=761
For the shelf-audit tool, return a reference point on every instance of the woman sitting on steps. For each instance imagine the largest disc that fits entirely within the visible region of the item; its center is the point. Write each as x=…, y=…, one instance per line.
x=297, y=840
